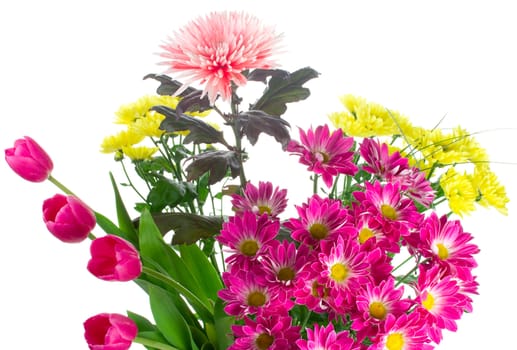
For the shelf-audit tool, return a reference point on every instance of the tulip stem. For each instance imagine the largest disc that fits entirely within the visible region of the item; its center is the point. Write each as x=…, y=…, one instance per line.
x=153, y=344
x=60, y=185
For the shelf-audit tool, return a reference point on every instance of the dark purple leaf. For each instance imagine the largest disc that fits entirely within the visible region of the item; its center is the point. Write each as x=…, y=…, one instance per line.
x=168, y=85
x=252, y=123
x=216, y=163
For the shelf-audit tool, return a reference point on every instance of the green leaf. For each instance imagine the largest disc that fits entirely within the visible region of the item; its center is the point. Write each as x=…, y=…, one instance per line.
x=284, y=89
x=169, y=320
x=156, y=253
x=254, y=122
x=124, y=221
x=202, y=269
x=217, y=163
x=223, y=324
x=143, y=324
x=169, y=193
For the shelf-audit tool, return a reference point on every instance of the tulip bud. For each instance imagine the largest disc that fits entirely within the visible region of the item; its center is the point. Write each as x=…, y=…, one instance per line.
x=29, y=160
x=114, y=259
x=68, y=218
x=109, y=331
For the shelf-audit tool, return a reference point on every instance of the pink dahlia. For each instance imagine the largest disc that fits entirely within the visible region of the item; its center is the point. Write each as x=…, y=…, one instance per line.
x=440, y=301
x=214, y=50
x=263, y=199
x=272, y=332
x=320, y=219
x=326, y=338
x=324, y=153
x=446, y=243
x=246, y=236
x=405, y=332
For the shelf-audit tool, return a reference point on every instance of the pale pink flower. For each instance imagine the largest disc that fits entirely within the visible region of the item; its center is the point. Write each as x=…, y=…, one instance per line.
x=215, y=49
x=261, y=199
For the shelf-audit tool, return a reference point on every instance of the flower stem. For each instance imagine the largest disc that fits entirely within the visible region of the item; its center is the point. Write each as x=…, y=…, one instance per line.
x=60, y=185
x=153, y=344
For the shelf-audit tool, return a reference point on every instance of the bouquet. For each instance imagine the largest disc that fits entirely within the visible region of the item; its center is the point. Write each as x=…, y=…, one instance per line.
x=375, y=258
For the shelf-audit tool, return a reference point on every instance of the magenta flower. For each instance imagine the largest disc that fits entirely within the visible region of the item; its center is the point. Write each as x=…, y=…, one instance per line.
x=246, y=237
x=263, y=199
x=379, y=161
x=446, y=243
x=109, y=332
x=440, y=301
x=114, y=259
x=272, y=332
x=214, y=50
x=29, y=160
x=326, y=338
x=406, y=332
x=68, y=218
x=320, y=219
x=325, y=154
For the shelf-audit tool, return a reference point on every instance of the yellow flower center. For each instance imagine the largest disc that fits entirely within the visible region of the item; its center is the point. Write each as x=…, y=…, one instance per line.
x=378, y=310
x=443, y=252
x=428, y=303
x=322, y=157
x=365, y=234
x=264, y=341
x=395, y=341
x=388, y=212
x=264, y=209
x=285, y=274
x=318, y=231
x=256, y=299
x=249, y=247
x=338, y=272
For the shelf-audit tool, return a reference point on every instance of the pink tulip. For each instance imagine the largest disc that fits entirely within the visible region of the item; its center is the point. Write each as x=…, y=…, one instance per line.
x=29, y=160
x=114, y=259
x=109, y=332
x=68, y=218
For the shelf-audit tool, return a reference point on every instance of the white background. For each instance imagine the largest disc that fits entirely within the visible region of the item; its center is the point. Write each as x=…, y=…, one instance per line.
x=66, y=67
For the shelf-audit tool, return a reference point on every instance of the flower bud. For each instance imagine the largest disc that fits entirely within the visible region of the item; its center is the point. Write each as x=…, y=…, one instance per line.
x=109, y=331
x=68, y=218
x=29, y=160
x=114, y=259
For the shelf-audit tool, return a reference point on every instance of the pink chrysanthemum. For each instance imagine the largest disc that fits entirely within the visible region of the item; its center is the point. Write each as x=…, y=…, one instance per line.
x=273, y=332
x=440, y=301
x=324, y=153
x=326, y=338
x=370, y=231
x=415, y=185
x=263, y=199
x=320, y=219
x=375, y=303
x=379, y=161
x=343, y=268
x=246, y=293
x=398, y=214
x=282, y=266
x=214, y=50
x=446, y=243
x=406, y=332
x=246, y=236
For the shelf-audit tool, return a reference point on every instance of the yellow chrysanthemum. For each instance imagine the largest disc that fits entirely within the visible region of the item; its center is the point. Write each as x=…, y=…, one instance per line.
x=491, y=192
x=365, y=119
x=148, y=125
x=139, y=153
x=131, y=112
x=459, y=191
x=116, y=142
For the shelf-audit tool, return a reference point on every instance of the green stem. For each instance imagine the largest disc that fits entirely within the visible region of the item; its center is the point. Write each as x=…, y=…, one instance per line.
x=315, y=184
x=153, y=344
x=178, y=287
x=402, y=263
x=60, y=186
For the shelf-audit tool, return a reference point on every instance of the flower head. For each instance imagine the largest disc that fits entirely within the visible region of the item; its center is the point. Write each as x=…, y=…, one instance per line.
x=215, y=50
x=109, y=332
x=114, y=259
x=325, y=338
x=68, y=218
x=405, y=332
x=324, y=153
x=29, y=160
x=263, y=199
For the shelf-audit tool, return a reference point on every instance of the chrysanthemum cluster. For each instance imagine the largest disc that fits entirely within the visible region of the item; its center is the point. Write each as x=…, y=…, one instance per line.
x=326, y=279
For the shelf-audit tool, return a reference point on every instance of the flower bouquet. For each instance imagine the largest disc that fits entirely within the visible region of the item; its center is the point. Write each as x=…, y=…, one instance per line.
x=375, y=258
